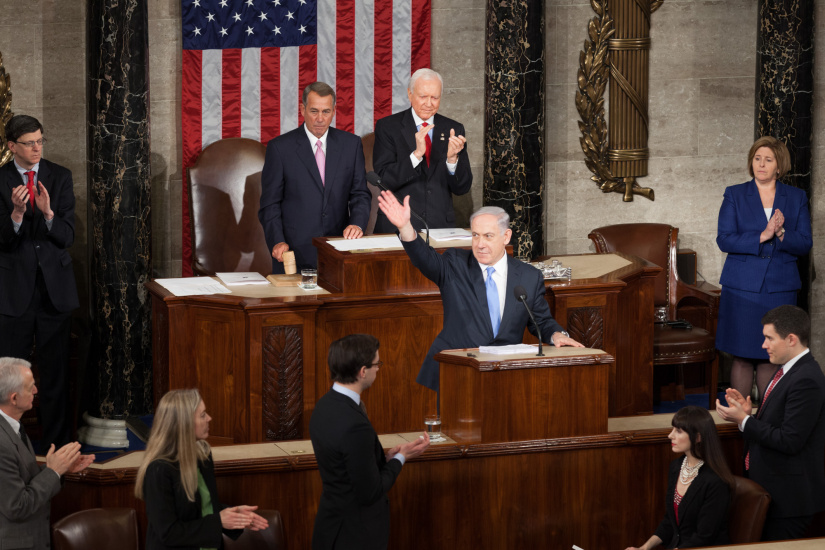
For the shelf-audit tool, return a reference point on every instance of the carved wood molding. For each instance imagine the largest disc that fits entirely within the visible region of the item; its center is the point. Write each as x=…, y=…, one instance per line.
x=283, y=372
x=586, y=325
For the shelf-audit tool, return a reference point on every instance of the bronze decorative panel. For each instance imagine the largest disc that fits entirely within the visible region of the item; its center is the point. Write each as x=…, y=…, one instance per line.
x=282, y=388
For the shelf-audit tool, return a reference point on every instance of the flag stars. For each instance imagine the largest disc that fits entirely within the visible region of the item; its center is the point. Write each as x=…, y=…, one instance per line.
x=249, y=31
x=237, y=16
x=277, y=30
x=262, y=16
x=197, y=3
x=303, y=29
x=302, y=2
x=210, y=17
x=250, y=2
x=224, y=3
x=289, y=15
x=224, y=32
x=197, y=31
x=276, y=2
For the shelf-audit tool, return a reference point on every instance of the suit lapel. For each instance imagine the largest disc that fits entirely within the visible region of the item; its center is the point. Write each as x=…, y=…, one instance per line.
x=477, y=281
x=408, y=129
x=780, y=199
x=26, y=452
x=304, y=151
x=777, y=394
x=513, y=280
x=755, y=204
x=333, y=159
x=690, y=495
x=438, y=153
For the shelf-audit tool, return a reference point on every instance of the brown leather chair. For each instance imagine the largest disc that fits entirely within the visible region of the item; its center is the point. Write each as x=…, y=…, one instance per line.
x=98, y=528
x=748, y=509
x=368, y=143
x=271, y=538
x=656, y=243
x=224, y=197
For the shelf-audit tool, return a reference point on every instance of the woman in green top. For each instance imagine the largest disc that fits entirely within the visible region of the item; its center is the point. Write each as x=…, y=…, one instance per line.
x=177, y=481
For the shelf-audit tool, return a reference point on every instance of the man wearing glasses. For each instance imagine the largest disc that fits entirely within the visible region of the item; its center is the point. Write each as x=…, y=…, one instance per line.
x=37, y=285
x=356, y=473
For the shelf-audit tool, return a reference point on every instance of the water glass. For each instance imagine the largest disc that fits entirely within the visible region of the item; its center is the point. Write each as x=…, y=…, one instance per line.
x=309, y=279
x=433, y=424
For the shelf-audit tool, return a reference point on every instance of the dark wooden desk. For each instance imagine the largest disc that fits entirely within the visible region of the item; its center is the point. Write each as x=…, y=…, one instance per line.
x=260, y=362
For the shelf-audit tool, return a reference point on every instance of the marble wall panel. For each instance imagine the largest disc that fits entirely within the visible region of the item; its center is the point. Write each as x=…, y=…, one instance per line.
x=460, y=34
x=726, y=115
x=674, y=120
x=22, y=49
x=64, y=69
x=165, y=52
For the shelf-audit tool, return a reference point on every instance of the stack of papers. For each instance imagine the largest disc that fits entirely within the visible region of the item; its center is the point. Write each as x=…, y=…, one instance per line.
x=450, y=234
x=242, y=278
x=514, y=349
x=193, y=286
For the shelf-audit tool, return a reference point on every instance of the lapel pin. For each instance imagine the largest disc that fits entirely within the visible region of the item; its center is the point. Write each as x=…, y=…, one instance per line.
x=442, y=136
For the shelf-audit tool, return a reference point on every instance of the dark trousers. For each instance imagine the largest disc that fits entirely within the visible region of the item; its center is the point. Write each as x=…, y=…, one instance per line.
x=785, y=528
x=42, y=325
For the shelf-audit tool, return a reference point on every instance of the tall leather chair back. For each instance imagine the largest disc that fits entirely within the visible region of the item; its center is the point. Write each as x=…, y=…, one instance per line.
x=368, y=142
x=655, y=242
x=98, y=528
x=224, y=198
x=271, y=538
x=749, y=507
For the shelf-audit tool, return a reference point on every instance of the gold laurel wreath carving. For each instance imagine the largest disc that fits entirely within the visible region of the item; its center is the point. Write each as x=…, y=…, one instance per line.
x=5, y=112
x=592, y=77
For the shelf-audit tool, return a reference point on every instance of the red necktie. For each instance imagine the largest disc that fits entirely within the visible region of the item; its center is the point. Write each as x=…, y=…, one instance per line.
x=775, y=379
x=429, y=144
x=30, y=186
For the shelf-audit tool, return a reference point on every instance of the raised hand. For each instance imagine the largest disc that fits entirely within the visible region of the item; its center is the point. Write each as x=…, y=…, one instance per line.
x=455, y=146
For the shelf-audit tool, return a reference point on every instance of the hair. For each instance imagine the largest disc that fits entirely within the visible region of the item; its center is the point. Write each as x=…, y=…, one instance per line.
x=788, y=319
x=20, y=125
x=173, y=440
x=11, y=377
x=502, y=217
x=426, y=74
x=348, y=354
x=321, y=88
x=780, y=152
x=697, y=421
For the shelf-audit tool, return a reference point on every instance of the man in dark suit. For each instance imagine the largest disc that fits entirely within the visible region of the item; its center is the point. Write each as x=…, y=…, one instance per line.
x=422, y=154
x=477, y=289
x=785, y=439
x=354, y=512
x=313, y=183
x=37, y=285
x=27, y=488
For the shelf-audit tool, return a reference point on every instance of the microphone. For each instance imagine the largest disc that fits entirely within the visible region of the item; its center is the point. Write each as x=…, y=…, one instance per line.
x=375, y=180
x=521, y=296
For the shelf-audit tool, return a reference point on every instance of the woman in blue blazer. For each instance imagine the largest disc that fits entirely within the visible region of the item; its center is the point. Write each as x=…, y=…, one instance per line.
x=699, y=485
x=764, y=226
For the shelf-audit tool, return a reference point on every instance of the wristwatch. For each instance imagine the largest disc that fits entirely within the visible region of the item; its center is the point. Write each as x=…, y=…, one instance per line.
x=780, y=232
x=563, y=333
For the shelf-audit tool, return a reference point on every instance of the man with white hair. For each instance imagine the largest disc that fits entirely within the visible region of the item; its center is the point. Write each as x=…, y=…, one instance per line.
x=27, y=489
x=423, y=155
x=478, y=287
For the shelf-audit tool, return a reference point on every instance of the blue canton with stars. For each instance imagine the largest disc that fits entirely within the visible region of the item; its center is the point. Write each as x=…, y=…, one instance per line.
x=221, y=24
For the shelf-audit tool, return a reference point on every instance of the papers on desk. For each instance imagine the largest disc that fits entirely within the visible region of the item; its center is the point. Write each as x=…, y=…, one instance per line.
x=242, y=278
x=365, y=243
x=192, y=286
x=450, y=234
x=514, y=349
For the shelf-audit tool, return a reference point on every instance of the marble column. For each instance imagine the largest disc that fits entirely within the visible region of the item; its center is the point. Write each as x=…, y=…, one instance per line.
x=514, y=118
x=119, y=206
x=784, y=92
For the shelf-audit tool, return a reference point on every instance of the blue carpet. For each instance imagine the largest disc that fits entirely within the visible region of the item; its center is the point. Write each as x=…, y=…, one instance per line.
x=698, y=399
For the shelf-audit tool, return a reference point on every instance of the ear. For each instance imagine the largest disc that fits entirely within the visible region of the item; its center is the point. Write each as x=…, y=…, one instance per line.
x=507, y=235
x=362, y=372
x=793, y=339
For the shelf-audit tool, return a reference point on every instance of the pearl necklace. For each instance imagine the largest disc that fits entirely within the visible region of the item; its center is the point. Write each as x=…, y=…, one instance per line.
x=689, y=473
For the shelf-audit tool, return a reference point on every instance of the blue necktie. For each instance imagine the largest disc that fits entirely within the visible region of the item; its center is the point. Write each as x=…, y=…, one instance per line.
x=492, y=300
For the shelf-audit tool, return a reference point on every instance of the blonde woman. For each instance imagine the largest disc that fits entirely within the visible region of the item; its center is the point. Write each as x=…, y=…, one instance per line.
x=177, y=481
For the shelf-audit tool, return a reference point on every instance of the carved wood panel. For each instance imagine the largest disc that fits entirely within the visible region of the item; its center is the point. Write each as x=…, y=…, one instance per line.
x=586, y=324
x=282, y=388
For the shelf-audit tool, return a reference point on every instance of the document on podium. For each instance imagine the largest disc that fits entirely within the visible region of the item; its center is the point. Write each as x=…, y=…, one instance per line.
x=365, y=243
x=193, y=286
x=513, y=349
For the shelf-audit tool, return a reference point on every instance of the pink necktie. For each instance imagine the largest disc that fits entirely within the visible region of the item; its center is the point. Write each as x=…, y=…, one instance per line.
x=775, y=379
x=428, y=144
x=320, y=160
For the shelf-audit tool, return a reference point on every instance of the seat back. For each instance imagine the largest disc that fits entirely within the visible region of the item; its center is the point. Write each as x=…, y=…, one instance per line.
x=368, y=142
x=271, y=538
x=99, y=528
x=654, y=242
x=224, y=198
x=748, y=509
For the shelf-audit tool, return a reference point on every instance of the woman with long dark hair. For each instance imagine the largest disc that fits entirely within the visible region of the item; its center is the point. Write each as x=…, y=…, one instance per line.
x=699, y=485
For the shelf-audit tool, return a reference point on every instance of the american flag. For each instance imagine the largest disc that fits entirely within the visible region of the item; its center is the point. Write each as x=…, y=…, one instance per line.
x=246, y=62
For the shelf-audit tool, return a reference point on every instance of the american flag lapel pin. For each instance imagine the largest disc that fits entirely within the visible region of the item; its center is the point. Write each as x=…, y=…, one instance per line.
x=442, y=136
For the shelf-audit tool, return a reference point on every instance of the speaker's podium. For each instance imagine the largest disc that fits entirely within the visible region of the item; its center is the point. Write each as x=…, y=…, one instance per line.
x=491, y=398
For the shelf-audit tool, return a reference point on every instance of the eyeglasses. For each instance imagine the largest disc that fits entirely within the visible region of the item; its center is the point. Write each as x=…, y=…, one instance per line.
x=30, y=144
x=377, y=364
